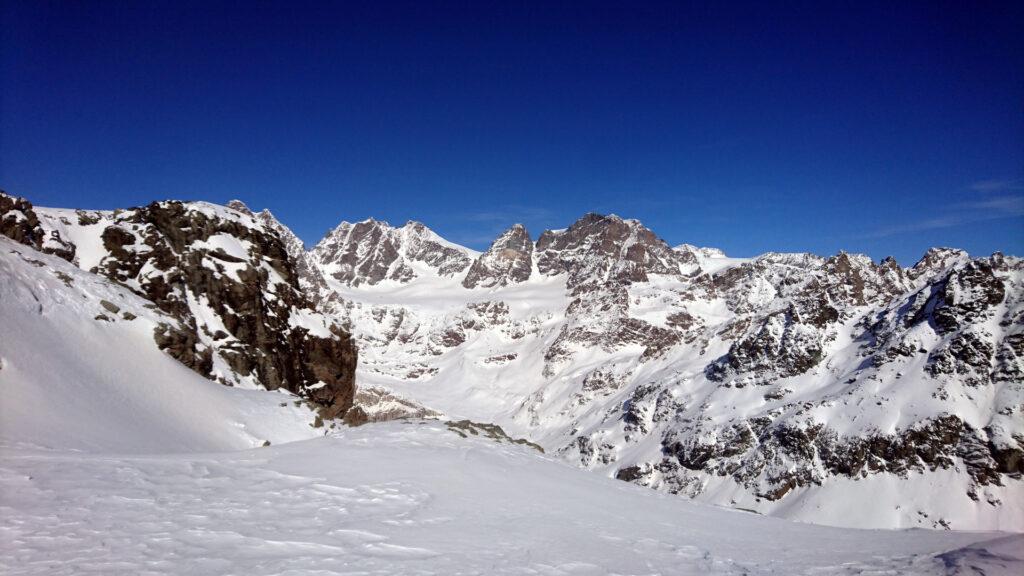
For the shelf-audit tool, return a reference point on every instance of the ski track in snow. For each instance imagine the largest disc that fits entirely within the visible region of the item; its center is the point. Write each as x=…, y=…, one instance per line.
x=414, y=499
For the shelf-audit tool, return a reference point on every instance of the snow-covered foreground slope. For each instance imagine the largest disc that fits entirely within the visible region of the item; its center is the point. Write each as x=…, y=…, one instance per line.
x=75, y=374
x=415, y=498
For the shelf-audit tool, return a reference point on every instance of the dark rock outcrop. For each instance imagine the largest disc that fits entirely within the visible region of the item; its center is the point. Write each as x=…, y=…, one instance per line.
x=230, y=282
x=774, y=458
x=509, y=260
x=19, y=222
x=253, y=294
x=600, y=248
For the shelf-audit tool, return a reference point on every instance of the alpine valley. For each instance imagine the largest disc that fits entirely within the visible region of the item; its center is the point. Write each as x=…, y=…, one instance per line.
x=829, y=390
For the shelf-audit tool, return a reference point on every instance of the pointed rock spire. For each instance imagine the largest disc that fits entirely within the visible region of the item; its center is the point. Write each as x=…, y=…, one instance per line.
x=509, y=260
x=239, y=206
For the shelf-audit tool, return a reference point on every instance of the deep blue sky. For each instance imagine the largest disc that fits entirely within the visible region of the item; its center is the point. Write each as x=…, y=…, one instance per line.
x=876, y=129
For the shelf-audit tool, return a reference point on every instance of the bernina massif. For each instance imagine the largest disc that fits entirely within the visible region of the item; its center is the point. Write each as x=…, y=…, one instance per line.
x=832, y=390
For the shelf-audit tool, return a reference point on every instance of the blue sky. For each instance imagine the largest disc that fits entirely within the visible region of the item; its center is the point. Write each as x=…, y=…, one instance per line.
x=867, y=127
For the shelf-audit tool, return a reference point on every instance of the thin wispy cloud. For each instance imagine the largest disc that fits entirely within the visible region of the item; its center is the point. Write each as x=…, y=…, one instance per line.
x=1005, y=205
x=995, y=208
x=998, y=185
x=921, y=225
x=511, y=215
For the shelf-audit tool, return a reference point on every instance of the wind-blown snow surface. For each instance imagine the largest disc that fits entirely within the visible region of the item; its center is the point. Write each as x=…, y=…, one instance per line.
x=415, y=498
x=114, y=459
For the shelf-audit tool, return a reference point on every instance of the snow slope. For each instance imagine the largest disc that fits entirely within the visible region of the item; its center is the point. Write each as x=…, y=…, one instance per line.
x=415, y=498
x=76, y=375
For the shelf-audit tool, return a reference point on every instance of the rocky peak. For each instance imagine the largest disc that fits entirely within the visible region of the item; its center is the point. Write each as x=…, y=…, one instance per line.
x=758, y=283
x=935, y=261
x=293, y=245
x=791, y=305
x=372, y=251
x=239, y=206
x=602, y=256
x=311, y=281
x=362, y=253
x=854, y=279
x=700, y=251
x=599, y=248
x=421, y=244
x=509, y=260
x=234, y=281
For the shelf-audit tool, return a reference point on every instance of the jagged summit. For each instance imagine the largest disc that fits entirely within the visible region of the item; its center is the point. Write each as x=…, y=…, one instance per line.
x=701, y=251
x=509, y=260
x=937, y=259
x=239, y=206
x=371, y=251
x=597, y=247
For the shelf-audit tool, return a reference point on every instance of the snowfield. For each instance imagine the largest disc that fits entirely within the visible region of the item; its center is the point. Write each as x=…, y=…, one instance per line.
x=415, y=498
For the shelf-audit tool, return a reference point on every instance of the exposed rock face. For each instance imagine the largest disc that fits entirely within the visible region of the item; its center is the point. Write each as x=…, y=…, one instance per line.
x=900, y=321
x=771, y=459
x=790, y=307
x=604, y=248
x=466, y=428
x=18, y=221
x=601, y=257
x=375, y=404
x=370, y=252
x=509, y=260
x=311, y=280
x=935, y=260
x=232, y=284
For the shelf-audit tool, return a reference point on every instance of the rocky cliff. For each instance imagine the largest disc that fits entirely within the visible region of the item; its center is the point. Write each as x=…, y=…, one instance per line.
x=224, y=274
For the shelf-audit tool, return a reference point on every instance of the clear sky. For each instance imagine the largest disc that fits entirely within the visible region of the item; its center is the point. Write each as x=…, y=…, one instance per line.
x=878, y=128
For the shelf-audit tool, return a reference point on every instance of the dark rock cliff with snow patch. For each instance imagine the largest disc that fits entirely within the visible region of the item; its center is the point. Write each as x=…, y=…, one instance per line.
x=226, y=277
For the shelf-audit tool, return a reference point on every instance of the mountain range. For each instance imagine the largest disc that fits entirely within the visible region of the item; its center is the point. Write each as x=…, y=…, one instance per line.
x=834, y=390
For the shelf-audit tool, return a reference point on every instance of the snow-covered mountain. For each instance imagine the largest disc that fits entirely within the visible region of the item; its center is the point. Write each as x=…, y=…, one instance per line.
x=826, y=389
x=370, y=252
x=833, y=389
x=115, y=458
